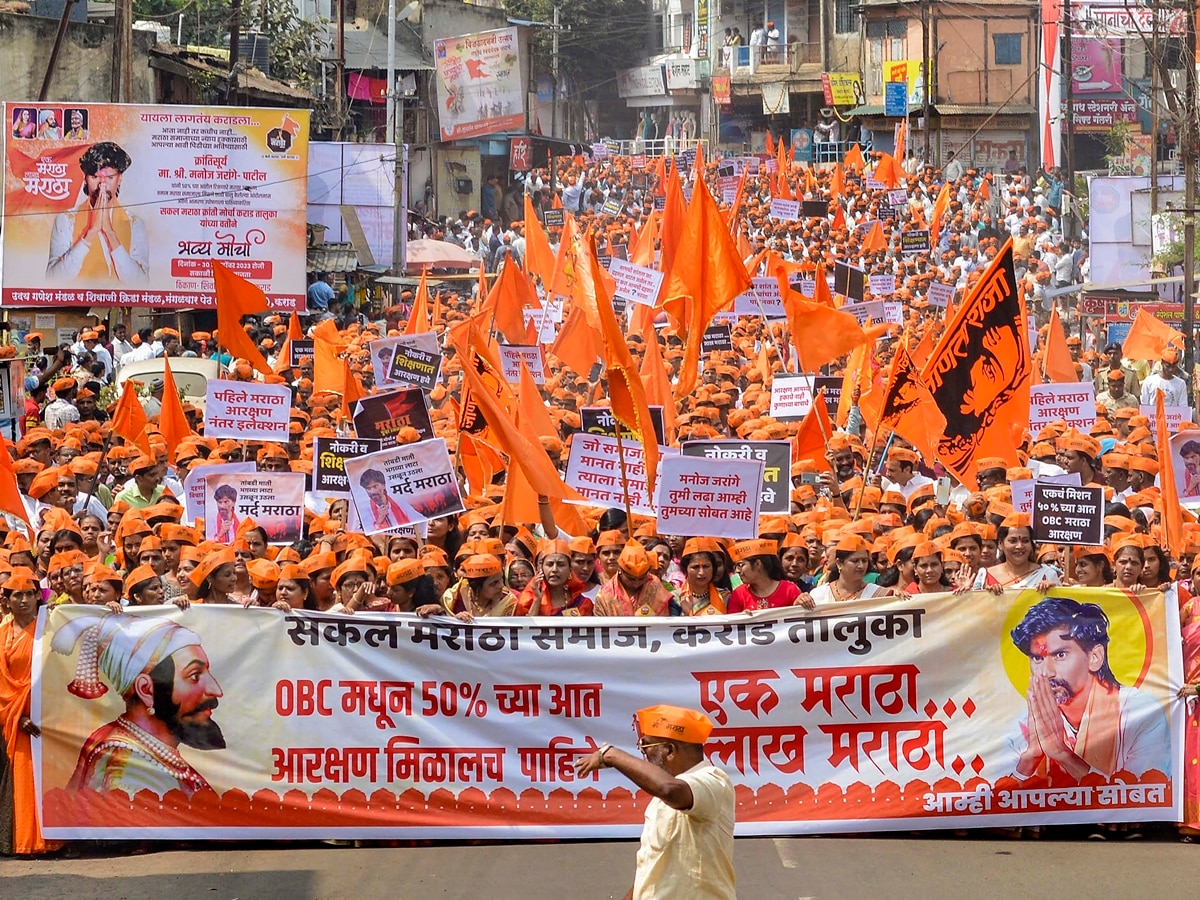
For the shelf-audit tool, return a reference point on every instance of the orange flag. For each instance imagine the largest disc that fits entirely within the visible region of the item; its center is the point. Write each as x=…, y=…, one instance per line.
x=812, y=439
x=984, y=191
x=858, y=374
x=564, y=262
x=625, y=390
x=940, y=205
x=352, y=391
x=875, y=242
x=821, y=292
x=658, y=381
x=507, y=301
x=479, y=461
x=1056, y=359
x=328, y=346
x=237, y=297
x=839, y=219
x=979, y=372
x=1149, y=337
x=531, y=456
x=642, y=252
x=539, y=258
x=674, y=221
x=1171, y=512
x=888, y=171
x=836, y=183
x=418, y=318
x=907, y=407
x=294, y=333
x=820, y=333
x=737, y=199
x=770, y=143
x=705, y=276
x=173, y=421
x=10, y=493
x=578, y=344
x=853, y=159
x=129, y=418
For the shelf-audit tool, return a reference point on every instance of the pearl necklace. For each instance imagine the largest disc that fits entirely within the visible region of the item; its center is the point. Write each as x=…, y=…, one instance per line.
x=163, y=756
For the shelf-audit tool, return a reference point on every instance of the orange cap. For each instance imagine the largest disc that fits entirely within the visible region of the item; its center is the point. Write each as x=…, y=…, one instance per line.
x=674, y=723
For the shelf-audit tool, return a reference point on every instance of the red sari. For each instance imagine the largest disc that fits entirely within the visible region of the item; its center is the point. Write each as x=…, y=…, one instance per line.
x=16, y=663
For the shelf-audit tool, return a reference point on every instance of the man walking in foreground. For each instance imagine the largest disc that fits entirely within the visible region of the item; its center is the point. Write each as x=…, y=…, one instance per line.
x=687, y=839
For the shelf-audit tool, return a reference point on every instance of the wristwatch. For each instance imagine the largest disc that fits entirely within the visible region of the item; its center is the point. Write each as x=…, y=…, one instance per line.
x=604, y=748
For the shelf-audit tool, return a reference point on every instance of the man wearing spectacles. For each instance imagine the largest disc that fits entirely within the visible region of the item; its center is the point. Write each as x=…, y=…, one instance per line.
x=687, y=840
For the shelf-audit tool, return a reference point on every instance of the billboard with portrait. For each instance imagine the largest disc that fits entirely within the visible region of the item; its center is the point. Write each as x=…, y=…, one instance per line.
x=127, y=204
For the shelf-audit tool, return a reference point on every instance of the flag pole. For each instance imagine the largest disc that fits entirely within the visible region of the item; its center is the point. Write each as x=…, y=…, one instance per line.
x=624, y=476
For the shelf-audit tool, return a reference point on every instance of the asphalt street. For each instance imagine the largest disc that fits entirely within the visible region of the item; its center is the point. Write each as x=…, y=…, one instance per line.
x=773, y=869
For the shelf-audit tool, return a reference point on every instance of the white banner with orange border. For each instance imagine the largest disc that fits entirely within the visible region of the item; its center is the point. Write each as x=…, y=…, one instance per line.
x=927, y=712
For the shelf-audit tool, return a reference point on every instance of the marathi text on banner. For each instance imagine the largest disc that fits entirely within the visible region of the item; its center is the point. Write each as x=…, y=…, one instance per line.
x=1073, y=403
x=479, y=82
x=594, y=469
x=869, y=715
x=383, y=416
x=409, y=360
x=402, y=485
x=247, y=410
x=698, y=495
x=776, y=457
x=192, y=184
x=274, y=500
x=511, y=357
x=329, y=462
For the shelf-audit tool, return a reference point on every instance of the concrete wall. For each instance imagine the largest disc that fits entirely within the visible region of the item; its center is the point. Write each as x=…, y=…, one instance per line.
x=84, y=69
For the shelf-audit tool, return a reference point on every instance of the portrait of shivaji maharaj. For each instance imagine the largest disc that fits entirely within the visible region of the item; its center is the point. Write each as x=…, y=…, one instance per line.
x=161, y=671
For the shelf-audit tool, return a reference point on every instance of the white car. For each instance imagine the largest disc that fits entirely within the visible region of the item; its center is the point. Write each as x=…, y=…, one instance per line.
x=191, y=375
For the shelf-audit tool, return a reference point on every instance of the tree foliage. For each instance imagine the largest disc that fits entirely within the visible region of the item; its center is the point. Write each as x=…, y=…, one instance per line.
x=605, y=36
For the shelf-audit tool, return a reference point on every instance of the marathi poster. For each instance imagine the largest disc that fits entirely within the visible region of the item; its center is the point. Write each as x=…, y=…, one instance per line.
x=480, y=88
x=274, y=500
x=402, y=485
x=127, y=205
x=776, y=457
x=877, y=715
x=382, y=416
x=410, y=360
x=719, y=498
x=329, y=462
x=1073, y=403
x=594, y=468
x=247, y=410
x=194, y=504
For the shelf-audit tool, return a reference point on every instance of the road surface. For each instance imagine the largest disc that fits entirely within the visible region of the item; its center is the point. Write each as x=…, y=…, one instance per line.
x=837, y=868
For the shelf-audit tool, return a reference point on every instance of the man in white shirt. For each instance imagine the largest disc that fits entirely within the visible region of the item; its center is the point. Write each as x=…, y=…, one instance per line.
x=687, y=840
x=1166, y=380
x=900, y=472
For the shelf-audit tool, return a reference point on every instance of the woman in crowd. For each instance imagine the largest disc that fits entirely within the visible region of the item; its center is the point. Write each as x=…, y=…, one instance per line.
x=554, y=590
x=929, y=576
x=1019, y=569
x=699, y=596
x=847, y=577
x=763, y=584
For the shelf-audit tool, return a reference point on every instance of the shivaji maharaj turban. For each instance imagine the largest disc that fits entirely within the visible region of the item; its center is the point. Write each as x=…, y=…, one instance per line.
x=119, y=647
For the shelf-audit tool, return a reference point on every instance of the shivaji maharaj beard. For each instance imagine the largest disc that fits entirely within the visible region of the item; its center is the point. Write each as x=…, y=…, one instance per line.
x=200, y=732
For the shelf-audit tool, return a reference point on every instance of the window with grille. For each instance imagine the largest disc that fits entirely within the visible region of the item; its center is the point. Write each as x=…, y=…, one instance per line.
x=845, y=19
x=1008, y=49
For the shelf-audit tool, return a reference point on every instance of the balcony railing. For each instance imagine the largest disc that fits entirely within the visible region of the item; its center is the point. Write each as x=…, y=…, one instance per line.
x=745, y=59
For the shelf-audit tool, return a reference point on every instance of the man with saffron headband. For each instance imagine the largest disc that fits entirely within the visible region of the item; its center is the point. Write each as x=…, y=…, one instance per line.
x=687, y=840
x=1080, y=719
x=635, y=591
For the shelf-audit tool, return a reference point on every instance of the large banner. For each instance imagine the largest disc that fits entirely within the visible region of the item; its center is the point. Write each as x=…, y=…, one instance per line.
x=931, y=712
x=479, y=84
x=127, y=205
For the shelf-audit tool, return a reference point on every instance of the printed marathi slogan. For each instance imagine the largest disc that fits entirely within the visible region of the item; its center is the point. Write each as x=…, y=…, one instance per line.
x=402, y=485
x=247, y=411
x=274, y=500
x=864, y=716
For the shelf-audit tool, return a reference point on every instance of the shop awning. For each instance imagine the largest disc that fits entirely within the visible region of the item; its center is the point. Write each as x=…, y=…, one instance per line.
x=963, y=109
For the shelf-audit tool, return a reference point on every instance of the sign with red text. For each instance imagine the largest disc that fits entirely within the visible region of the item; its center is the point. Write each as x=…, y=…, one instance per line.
x=888, y=714
x=247, y=410
x=713, y=497
x=1074, y=403
x=274, y=500
x=383, y=416
x=480, y=89
x=639, y=284
x=402, y=485
x=511, y=357
x=127, y=205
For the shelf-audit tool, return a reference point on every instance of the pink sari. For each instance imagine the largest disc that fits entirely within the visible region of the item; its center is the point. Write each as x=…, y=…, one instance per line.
x=1190, y=622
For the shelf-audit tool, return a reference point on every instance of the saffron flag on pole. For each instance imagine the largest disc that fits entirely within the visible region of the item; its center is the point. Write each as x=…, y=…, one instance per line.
x=979, y=372
x=237, y=297
x=129, y=418
x=907, y=407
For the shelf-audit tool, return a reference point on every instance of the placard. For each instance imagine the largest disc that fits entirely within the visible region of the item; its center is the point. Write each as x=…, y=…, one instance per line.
x=383, y=415
x=776, y=457
x=832, y=386
x=1064, y=514
x=849, y=281
x=1074, y=403
x=717, y=339
x=247, y=410
x=612, y=207
x=639, y=284
x=594, y=470
x=791, y=397
x=763, y=299
x=274, y=500
x=883, y=285
x=554, y=218
x=785, y=210
x=713, y=497
x=814, y=209
x=329, y=462
x=298, y=348
x=408, y=360
x=402, y=485
x=940, y=295
x=511, y=357
x=194, y=505
x=600, y=420
x=914, y=241
x=1176, y=417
